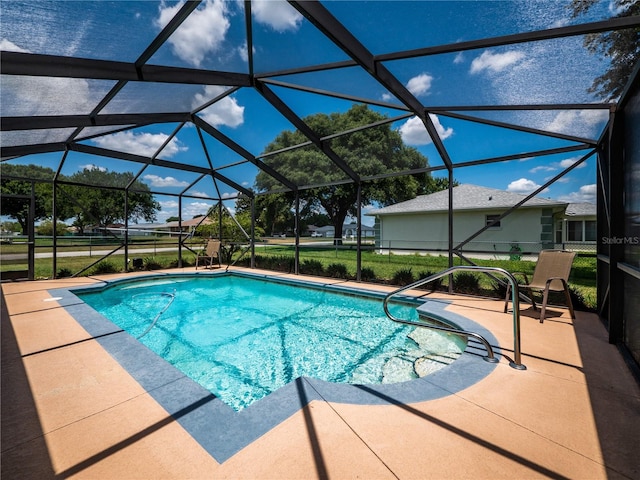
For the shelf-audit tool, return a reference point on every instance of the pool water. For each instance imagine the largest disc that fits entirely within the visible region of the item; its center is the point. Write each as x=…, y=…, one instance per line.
x=243, y=338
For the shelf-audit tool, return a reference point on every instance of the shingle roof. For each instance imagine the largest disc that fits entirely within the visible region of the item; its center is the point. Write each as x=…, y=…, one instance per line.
x=581, y=209
x=193, y=222
x=465, y=197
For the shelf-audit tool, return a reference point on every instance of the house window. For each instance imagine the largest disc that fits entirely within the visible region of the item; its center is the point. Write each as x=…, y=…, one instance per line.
x=581, y=231
x=574, y=231
x=590, y=231
x=490, y=218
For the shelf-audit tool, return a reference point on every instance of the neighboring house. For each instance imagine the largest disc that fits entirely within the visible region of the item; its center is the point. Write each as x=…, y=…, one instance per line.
x=422, y=223
x=115, y=228
x=188, y=226
x=349, y=230
x=147, y=229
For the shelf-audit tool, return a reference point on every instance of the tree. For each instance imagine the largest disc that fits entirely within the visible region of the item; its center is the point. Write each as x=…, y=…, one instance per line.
x=622, y=47
x=17, y=208
x=369, y=152
x=273, y=212
x=93, y=205
x=46, y=228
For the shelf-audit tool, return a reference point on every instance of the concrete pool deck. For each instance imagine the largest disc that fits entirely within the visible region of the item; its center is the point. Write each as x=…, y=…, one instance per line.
x=70, y=410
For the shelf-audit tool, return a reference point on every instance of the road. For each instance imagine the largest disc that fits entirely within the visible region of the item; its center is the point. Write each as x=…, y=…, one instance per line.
x=87, y=253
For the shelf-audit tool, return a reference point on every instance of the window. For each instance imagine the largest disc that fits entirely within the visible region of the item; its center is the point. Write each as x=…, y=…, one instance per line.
x=590, y=231
x=581, y=231
x=574, y=231
x=490, y=218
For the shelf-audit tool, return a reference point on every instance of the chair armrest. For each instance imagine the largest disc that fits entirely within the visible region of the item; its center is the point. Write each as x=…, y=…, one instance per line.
x=526, y=279
x=551, y=279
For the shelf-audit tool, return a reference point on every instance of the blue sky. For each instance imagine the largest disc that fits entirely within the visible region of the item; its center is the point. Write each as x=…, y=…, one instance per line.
x=214, y=37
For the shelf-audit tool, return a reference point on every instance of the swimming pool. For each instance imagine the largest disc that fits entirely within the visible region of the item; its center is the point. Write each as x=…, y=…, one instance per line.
x=242, y=338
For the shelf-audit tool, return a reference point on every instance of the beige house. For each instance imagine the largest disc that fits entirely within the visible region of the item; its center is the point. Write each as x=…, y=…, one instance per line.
x=421, y=224
x=188, y=226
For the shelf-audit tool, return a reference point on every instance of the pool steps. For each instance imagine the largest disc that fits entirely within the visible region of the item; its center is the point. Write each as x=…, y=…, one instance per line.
x=515, y=298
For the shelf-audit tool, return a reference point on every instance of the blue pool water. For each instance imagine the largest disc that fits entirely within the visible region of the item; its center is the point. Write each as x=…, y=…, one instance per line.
x=243, y=338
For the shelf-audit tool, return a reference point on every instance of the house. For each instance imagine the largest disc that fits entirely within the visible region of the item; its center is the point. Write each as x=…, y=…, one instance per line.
x=349, y=231
x=188, y=226
x=422, y=223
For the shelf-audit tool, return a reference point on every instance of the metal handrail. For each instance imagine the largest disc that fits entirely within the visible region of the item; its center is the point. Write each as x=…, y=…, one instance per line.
x=515, y=298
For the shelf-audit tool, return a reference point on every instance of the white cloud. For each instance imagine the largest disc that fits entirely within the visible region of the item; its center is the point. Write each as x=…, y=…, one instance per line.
x=496, y=62
x=200, y=34
x=459, y=58
x=169, y=208
x=560, y=22
x=243, y=51
x=577, y=122
x=225, y=111
x=561, y=165
x=420, y=85
x=230, y=194
x=523, y=186
x=157, y=181
x=9, y=46
x=276, y=14
x=28, y=95
x=587, y=193
x=387, y=97
x=169, y=205
x=566, y=163
x=195, y=208
x=196, y=193
x=414, y=132
x=543, y=168
x=145, y=144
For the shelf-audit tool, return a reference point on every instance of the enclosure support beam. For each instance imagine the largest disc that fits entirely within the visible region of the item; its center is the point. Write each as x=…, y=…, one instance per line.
x=253, y=232
x=359, y=234
x=296, y=226
x=617, y=229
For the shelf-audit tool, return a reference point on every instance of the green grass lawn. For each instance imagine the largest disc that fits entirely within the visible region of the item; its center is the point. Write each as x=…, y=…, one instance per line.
x=387, y=268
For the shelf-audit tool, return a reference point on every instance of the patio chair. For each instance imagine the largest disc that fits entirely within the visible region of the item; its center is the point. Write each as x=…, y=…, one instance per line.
x=551, y=274
x=210, y=255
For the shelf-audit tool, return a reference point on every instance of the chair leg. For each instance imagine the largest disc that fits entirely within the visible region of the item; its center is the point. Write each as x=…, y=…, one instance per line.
x=545, y=297
x=506, y=298
x=569, y=302
x=533, y=300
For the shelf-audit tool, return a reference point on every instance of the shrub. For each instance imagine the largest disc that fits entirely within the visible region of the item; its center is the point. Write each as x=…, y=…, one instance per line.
x=433, y=285
x=367, y=274
x=280, y=263
x=337, y=270
x=311, y=267
x=64, y=273
x=151, y=263
x=187, y=261
x=105, y=267
x=403, y=277
x=466, y=282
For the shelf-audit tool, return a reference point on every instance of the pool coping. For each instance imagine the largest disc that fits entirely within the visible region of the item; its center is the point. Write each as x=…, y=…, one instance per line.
x=221, y=430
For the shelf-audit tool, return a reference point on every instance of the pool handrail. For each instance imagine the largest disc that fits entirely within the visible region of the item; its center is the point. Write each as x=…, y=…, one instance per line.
x=515, y=298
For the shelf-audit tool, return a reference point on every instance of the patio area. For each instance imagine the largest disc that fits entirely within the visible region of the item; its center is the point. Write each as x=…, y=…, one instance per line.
x=71, y=410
